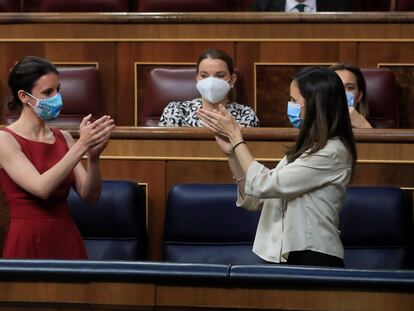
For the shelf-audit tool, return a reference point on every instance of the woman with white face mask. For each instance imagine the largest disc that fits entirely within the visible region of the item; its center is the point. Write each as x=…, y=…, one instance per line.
x=39, y=165
x=215, y=83
x=355, y=88
x=300, y=199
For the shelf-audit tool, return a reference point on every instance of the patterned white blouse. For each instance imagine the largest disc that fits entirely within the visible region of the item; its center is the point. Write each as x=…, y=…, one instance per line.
x=184, y=114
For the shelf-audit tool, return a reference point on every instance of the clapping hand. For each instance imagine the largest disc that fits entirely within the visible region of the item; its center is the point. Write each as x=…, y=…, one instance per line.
x=223, y=125
x=95, y=135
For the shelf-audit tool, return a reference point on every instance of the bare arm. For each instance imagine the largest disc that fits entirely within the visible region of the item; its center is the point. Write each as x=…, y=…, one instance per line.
x=88, y=182
x=358, y=120
x=23, y=173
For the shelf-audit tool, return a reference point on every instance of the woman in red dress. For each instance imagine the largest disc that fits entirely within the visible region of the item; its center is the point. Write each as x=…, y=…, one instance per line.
x=39, y=165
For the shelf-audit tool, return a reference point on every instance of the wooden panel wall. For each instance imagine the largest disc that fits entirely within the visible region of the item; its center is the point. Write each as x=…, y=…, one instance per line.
x=101, y=53
x=151, y=54
x=129, y=295
x=118, y=43
x=259, y=44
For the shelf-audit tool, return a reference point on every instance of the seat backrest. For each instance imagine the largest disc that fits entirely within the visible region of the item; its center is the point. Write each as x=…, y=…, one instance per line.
x=183, y=5
x=203, y=225
x=370, y=5
x=9, y=6
x=76, y=5
x=81, y=95
x=115, y=227
x=404, y=5
x=375, y=226
x=382, y=98
x=165, y=85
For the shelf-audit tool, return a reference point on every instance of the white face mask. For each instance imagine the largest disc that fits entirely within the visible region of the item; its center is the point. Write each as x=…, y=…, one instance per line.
x=213, y=89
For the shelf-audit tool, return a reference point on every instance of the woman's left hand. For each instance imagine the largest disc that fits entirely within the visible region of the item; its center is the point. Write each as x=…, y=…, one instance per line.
x=220, y=122
x=95, y=151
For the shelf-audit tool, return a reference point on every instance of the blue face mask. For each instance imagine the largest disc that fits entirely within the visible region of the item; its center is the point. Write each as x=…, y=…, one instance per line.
x=48, y=108
x=350, y=98
x=293, y=112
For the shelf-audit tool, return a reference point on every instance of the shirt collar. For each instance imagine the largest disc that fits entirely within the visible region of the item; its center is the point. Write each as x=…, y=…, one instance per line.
x=310, y=5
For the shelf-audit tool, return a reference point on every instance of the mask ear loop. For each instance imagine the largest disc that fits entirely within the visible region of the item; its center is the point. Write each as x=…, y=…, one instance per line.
x=30, y=95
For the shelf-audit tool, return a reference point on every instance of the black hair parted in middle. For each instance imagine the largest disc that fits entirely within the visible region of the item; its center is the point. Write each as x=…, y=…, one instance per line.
x=326, y=114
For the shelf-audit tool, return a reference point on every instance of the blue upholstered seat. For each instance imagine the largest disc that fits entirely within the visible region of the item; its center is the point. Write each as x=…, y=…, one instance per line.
x=376, y=224
x=204, y=225
x=115, y=227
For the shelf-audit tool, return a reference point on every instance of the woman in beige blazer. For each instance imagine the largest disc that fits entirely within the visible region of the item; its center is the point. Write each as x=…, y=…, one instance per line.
x=302, y=196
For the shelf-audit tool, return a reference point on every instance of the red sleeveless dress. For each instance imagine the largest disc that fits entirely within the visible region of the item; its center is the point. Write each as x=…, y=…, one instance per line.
x=40, y=228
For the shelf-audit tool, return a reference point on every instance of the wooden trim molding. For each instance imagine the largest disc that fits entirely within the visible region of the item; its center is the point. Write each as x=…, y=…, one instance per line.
x=76, y=64
x=257, y=134
x=207, y=17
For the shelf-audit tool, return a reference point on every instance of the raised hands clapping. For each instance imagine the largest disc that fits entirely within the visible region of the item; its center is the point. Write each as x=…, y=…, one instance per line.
x=95, y=135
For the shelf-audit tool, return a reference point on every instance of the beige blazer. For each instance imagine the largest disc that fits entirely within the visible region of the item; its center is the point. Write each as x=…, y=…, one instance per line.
x=300, y=202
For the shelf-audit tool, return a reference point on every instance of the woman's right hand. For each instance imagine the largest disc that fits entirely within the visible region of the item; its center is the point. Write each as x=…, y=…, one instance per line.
x=221, y=123
x=94, y=133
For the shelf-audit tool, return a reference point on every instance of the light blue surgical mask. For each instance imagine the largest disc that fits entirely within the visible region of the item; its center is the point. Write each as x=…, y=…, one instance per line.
x=48, y=108
x=350, y=98
x=293, y=112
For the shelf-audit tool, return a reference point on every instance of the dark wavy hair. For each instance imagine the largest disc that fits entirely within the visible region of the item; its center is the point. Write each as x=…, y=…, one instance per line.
x=326, y=114
x=24, y=75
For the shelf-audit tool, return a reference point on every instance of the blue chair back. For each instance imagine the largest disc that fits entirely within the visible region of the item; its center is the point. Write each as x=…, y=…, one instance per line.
x=203, y=225
x=115, y=227
x=375, y=226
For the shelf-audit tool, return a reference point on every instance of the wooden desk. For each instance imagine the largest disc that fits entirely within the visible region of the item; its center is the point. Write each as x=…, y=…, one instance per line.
x=65, y=295
x=143, y=285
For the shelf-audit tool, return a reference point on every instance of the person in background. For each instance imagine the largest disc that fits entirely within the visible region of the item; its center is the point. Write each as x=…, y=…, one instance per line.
x=308, y=6
x=355, y=88
x=301, y=198
x=39, y=165
x=215, y=82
